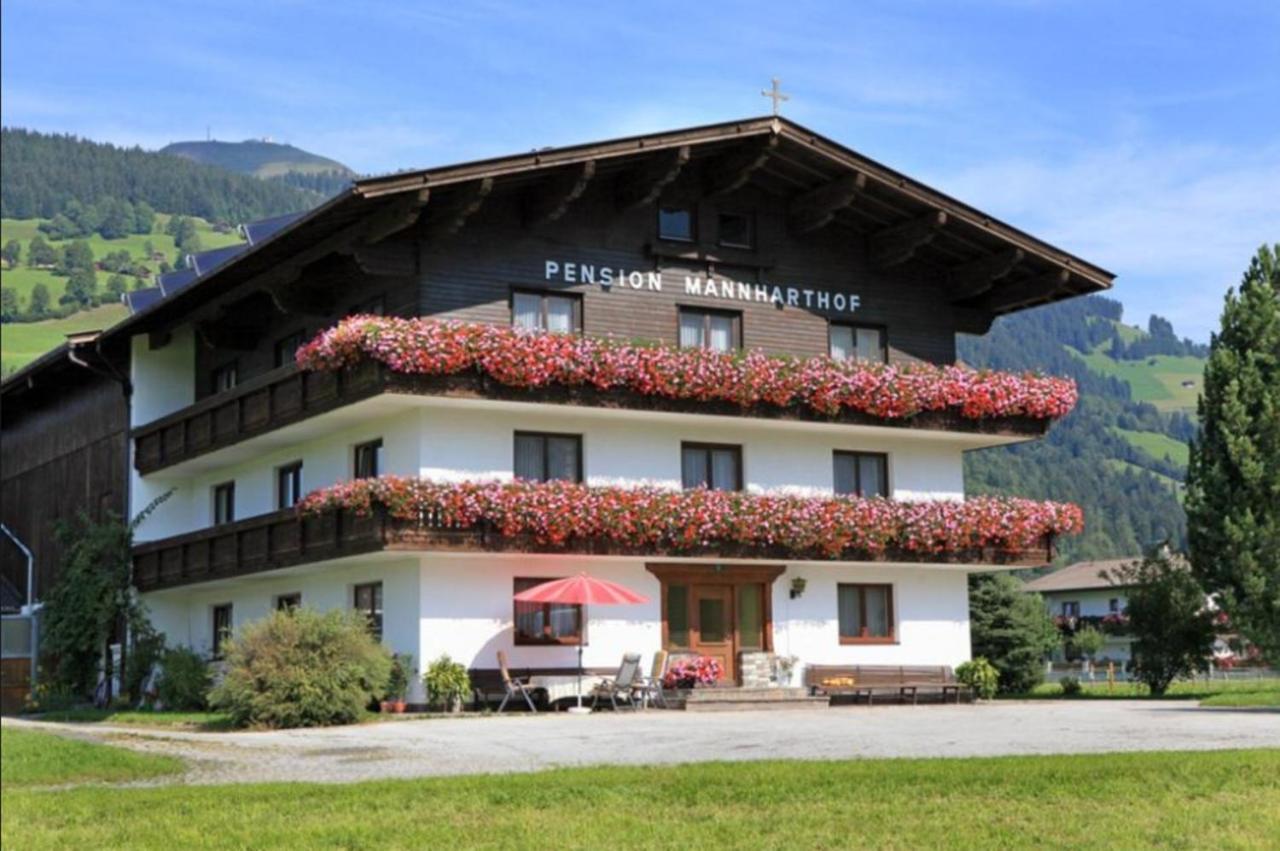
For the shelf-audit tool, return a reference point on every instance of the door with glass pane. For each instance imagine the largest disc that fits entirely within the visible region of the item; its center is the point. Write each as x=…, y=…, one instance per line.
x=713, y=626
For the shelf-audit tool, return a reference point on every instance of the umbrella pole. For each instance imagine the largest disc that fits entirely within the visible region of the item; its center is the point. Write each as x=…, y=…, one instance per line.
x=580, y=709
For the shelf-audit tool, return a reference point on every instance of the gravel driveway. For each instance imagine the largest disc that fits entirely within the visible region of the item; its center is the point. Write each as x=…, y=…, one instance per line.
x=480, y=744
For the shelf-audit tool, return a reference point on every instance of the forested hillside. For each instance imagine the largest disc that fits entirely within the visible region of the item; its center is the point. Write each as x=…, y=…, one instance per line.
x=269, y=160
x=1122, y=453
x=41, y=174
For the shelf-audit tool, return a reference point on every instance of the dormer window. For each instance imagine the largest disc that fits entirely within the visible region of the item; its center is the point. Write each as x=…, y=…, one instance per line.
x=675, y=223
x=737, y=230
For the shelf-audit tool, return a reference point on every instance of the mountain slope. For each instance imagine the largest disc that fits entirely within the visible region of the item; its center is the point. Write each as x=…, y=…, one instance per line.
x=1122, y=453
x=257, y=157
x=40, y=174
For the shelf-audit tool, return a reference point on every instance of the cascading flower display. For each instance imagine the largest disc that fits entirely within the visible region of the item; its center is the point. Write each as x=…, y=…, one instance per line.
x=557, y=514
x=534, y=360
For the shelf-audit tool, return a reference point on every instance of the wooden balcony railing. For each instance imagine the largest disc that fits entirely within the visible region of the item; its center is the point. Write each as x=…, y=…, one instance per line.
x=288, y=395
x=285, y=538
x=260, y=405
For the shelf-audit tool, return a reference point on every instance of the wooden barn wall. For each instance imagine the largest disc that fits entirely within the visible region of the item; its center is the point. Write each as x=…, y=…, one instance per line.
x=58, y=460
x=470, y=275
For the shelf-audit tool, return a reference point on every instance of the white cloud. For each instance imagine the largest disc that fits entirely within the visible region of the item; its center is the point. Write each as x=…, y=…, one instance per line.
x=1176, y=223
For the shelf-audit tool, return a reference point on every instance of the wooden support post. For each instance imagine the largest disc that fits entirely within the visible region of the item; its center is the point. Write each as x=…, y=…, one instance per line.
x=817, y=207
x=899, y=243
x=466, y=203
x=978, y=276
x=552, y=200
x=734, y=169
x=644, y=184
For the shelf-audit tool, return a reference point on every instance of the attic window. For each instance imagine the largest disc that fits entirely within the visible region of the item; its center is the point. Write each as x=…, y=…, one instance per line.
x=675, y=223
x=737, y=230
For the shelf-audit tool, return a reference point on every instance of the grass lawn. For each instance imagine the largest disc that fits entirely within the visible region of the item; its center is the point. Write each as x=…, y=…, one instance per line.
x=29, y=758
x=1222, y=799
x=141, y=718
x=1244, y=698
x=1225, y=690
x=22, y=342
x=1157, y=445
x=1159, y=383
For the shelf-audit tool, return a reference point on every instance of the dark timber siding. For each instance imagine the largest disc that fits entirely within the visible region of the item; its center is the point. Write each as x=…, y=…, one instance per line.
x=58, y=460
x=470, y=276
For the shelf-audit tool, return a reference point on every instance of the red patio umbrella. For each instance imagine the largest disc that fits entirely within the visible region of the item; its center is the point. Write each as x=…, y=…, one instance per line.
x=581, y=590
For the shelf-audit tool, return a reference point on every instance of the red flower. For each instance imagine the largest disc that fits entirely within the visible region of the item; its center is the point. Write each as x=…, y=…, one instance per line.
x=527, y=359
x=557, y=514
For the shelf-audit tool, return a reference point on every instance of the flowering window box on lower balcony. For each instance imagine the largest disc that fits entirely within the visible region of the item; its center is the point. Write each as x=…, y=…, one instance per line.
x=411, y=514
x=364, y=356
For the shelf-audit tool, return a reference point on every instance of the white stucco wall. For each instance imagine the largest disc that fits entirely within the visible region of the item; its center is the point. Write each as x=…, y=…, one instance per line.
x=454, y=443
x=1093, y=602
x=462, y=605
x=164, y=378
x=185, y=615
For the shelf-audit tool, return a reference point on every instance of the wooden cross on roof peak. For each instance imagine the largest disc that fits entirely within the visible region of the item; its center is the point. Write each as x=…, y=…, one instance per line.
x=775, y=94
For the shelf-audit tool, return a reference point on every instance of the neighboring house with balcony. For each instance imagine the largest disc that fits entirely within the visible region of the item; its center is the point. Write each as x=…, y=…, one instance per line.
x=1081, y=595
x=807, y=499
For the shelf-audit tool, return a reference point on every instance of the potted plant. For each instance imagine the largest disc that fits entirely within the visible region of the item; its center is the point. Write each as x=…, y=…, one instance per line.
x=398, y=682
x=447, y=683
x=784, y=667
x=693, y=672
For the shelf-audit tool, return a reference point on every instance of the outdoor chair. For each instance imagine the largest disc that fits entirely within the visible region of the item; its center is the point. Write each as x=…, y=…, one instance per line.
x=622, y=686
x=649, y=689
x=512, y=685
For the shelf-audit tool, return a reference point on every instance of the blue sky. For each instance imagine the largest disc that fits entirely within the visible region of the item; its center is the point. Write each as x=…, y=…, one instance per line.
x=1142, y=136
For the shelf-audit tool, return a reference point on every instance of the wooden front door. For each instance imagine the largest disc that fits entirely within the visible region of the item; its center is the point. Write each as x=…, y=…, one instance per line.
x=712, y=626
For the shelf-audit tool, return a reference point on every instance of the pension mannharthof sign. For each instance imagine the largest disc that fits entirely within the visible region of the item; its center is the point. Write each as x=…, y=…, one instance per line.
x=607, y=277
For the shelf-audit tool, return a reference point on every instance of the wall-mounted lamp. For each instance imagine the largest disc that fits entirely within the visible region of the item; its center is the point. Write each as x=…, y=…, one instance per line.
x=797, y=586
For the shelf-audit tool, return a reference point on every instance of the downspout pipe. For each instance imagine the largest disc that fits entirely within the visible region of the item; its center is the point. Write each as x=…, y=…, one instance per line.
x=29, y=608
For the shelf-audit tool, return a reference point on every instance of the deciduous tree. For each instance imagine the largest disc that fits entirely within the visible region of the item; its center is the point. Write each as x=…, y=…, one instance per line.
x=1169, y=619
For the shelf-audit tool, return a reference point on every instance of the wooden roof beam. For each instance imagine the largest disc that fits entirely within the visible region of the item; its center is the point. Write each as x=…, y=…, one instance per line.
x=899, y=243
x=978, y=276
x=552, y=200
x=734, y=169
x=644, y=184
x=1024, y=293
x=468, y=200
x=394, y=217
x=817, y=207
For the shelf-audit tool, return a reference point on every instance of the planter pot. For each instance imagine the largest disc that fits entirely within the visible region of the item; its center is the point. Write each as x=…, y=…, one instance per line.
x=398, y=706
x=385, y=706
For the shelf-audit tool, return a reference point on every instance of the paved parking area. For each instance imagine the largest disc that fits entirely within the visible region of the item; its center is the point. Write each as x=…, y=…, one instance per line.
x=481, y=744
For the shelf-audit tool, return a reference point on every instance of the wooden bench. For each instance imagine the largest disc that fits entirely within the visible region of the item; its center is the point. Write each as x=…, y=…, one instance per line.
x=868, y=680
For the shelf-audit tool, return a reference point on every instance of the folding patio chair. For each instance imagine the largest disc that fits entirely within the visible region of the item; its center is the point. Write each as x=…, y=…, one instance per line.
x=622, y=686
x=649, y=689
x=512, y=685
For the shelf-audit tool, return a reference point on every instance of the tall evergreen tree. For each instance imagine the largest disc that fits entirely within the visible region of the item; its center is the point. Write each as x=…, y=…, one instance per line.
x=1233, y=483
x=38, y=305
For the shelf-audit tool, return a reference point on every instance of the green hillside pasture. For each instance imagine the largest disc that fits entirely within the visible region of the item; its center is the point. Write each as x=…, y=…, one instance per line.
x=1159, y=383
x=23, y=342
x=23, y=279
x=1157, y=445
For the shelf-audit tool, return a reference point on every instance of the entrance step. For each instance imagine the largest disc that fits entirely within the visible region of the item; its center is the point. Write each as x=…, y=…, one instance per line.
x=728, y=699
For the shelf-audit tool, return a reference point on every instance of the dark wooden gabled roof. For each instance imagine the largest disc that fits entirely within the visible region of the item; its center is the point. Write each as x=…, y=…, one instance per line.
x=992, y=267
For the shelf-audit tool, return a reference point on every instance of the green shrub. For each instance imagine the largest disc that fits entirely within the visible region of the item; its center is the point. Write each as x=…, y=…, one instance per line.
x=1070, y=686
x=1088, y=641
x=184, y=680
x=398, y=680
x=1011, y=629
x=302, y=668
x=981, y=676
x=447, y=681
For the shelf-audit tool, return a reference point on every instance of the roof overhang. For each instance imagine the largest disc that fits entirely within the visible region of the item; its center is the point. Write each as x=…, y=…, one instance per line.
x=989, y=267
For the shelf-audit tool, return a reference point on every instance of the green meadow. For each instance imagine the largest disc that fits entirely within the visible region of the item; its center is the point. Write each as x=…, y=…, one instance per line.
x=22, y=342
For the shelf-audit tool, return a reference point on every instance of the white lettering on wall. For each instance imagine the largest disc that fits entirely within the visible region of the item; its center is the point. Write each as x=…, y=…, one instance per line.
x=711, y=287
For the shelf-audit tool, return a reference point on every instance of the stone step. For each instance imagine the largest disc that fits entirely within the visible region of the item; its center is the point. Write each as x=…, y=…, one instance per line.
x=745, y=695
